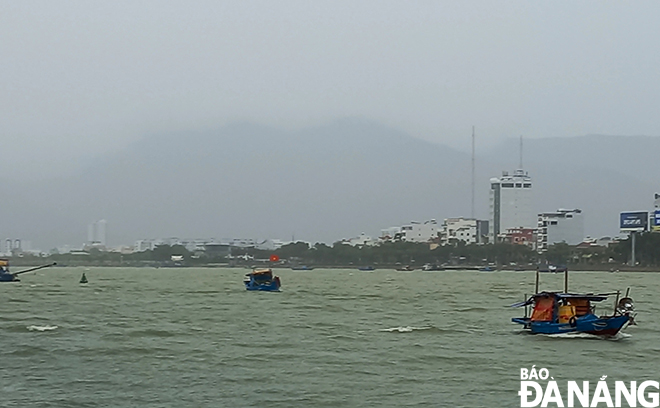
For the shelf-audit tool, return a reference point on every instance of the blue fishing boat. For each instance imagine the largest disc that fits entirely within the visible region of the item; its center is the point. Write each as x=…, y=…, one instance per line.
x=564, y=312
x=262, y=279
x=6, y=276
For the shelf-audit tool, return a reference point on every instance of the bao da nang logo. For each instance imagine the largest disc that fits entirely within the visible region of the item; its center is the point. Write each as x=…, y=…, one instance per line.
x=539, y=389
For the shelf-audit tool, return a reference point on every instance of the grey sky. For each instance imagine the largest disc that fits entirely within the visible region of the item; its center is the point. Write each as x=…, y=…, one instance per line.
x=85, y=77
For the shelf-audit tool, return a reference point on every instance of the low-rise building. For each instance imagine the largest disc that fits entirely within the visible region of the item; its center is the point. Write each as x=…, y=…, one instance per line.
x=467, y=230
x=561, y=226
x=414, y=232
x=362, y=240
x=520, y=236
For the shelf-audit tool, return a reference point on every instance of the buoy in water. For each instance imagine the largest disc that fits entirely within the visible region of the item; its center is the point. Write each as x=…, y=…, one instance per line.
x=83, y=278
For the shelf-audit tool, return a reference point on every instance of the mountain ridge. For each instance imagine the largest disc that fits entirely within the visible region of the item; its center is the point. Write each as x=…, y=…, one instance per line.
x=320, y=183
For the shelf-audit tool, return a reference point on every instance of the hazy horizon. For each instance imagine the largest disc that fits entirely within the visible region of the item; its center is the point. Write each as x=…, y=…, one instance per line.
x=88, y=81
x=319, y=184
x=86, y=78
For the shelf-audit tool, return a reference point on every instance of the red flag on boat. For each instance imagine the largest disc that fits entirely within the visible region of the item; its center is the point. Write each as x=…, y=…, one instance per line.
x=274, y=258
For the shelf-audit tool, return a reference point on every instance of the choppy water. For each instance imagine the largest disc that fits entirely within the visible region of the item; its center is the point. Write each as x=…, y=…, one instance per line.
x=332, y=338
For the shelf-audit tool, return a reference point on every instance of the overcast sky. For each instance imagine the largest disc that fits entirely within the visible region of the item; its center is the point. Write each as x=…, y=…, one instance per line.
x=81, y=78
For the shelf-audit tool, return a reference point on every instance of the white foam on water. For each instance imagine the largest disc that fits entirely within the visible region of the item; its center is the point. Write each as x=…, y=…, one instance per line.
x=406, y=329
x=574, y=335
x=41, y=328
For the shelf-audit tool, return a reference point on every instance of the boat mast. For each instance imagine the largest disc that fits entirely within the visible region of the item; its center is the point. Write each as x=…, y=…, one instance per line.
x=472, y=212
x=566, y=281
x=536, y=286
x=521, y=153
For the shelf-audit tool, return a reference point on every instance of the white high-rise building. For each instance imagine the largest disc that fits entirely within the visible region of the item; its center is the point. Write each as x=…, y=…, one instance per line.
x=510, y=203
x=96, y=233
x=561, y=226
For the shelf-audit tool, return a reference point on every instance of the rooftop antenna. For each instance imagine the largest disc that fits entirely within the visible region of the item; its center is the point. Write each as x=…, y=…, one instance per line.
x=472, y=211
x=521, y=153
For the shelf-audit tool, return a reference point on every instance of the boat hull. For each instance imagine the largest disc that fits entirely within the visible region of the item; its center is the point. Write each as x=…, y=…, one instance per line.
x=591, y=324
x=8, y=277
x=272, y=286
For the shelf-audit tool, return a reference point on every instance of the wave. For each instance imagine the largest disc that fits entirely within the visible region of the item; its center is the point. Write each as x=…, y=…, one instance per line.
x=12, y=300
x=41, y=328
x=406, y=329
x=150, y=333
x=617, y=337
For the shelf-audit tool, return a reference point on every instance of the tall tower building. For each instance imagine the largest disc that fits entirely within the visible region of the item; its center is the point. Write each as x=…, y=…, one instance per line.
x=96, y=233
x=510, y=203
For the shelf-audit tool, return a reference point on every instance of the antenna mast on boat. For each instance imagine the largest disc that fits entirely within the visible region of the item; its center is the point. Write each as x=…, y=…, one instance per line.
x=472, y=211
x=521, y=153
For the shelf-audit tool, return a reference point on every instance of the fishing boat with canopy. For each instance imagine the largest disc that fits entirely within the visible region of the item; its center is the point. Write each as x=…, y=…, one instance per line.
x=6, y=276
x=262, y=279
x=564, y=312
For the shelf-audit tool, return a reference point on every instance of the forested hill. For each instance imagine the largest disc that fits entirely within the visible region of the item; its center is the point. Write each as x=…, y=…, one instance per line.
x=320, y=184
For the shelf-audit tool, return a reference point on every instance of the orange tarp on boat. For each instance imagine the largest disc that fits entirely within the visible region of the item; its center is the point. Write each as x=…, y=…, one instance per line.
x=582, y=306
x=543, y=309
x=261, y=272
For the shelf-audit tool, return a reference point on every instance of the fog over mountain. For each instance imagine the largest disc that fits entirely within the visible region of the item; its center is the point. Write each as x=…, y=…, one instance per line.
x=321, y=183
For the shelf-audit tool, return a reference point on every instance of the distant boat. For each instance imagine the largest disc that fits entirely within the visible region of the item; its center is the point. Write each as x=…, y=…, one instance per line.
x=552, y=268
x=487, y=269
x=366, y=268
x=406, y=268
x=432, y=267
x=263, y=280
x=83, y=278
x=302, y=268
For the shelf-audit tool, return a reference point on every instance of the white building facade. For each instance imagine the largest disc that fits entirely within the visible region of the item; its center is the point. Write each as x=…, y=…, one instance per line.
x=510, y=203
x=362, y=240
x=467, y=230
x=561, y=226
x=413, y=232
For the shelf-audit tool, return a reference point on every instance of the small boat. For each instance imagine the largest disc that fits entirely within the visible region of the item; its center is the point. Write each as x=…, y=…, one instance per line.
x=552, y=268
x=366, y=268
x=302, y=268
x=557, y=313
x=83, y=278
x=262, y=279
x=431, y=267
x=6, y=276
x=406, y=268
x=487, y=269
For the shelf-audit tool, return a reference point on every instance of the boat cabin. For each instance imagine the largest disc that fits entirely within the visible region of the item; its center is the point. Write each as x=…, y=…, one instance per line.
x=260, y=275
x=561, y=307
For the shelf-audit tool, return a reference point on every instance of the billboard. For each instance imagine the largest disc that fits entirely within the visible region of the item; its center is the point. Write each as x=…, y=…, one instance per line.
x=634, y=221
x=655, y=224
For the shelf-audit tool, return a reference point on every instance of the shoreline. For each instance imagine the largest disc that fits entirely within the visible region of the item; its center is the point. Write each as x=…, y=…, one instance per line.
x=572, y=268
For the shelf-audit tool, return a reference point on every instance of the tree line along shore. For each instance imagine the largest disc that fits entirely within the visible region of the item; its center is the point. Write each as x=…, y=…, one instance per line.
x=387, y=255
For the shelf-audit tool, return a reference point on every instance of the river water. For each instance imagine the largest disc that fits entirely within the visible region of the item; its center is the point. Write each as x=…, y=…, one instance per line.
x=332, y=338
